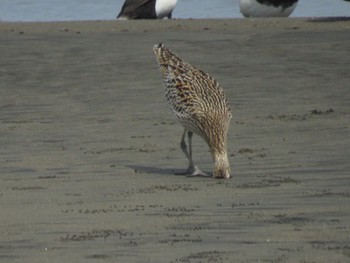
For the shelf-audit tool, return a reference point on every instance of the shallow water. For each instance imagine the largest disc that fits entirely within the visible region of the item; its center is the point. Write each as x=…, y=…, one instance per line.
x=63, y=10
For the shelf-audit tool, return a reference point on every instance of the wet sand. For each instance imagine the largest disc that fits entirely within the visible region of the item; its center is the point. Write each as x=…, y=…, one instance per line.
x=89, y=149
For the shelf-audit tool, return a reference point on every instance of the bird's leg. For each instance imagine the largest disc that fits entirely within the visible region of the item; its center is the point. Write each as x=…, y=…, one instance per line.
x=192, y=169
x=183, y=145
x=191, y=166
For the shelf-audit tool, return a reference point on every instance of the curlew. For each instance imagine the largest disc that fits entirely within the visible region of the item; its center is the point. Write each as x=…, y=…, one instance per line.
x=199, y=104
x=147, y=9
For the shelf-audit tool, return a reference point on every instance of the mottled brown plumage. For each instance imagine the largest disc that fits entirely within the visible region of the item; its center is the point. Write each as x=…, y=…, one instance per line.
x=199, y=104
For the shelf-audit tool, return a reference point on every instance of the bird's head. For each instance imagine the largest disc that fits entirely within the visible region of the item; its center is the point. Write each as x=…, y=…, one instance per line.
x=221, y=166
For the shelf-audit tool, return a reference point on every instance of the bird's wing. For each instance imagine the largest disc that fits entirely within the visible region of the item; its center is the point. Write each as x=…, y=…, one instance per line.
x=130, y=6
x=187, y=86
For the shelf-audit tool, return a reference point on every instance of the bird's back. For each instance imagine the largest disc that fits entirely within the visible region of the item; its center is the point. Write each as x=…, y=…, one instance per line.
x=138, y=9
x=195, y=98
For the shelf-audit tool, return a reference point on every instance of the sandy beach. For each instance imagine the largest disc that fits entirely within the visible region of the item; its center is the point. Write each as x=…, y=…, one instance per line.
x=89, y=148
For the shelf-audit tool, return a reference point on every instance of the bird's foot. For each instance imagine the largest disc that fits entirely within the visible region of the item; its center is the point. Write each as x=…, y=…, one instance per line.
x=193, y=171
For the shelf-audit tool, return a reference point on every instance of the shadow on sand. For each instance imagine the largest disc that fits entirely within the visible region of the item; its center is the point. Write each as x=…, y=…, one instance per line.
x=163, y=171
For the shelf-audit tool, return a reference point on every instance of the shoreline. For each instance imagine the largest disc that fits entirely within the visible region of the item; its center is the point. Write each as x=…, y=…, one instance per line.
x=321, y=23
